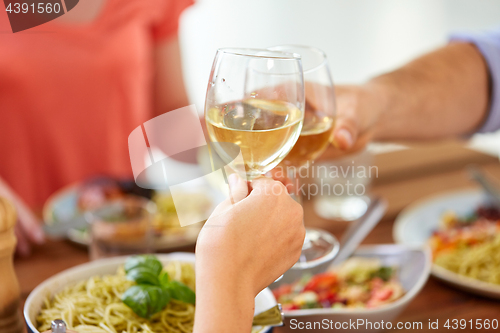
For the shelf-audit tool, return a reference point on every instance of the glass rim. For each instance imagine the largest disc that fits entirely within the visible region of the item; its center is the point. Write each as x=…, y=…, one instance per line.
x=254, y=52
x=324, y=62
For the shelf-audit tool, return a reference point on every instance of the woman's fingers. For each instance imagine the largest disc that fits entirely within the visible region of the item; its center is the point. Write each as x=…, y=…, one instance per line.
x=30, y=225
x=22, y=246
x=267, y=186
x=27, y=229
x=238, y=190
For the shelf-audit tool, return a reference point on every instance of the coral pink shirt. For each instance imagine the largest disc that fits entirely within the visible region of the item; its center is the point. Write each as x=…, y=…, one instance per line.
x=71, y=94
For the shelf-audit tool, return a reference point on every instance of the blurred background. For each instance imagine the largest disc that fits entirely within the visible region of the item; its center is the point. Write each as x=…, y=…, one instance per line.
x=362, y=38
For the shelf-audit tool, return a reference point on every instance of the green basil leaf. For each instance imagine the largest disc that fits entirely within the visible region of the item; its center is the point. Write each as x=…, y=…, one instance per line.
x=164, y=279
x=143, y=275
x=148, y=261
x=385, y=273
x=146, y=300
x=181, y=292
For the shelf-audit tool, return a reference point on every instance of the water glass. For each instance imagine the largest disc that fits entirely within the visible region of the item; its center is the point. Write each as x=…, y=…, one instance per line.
x=344, y=186
x=121, y=227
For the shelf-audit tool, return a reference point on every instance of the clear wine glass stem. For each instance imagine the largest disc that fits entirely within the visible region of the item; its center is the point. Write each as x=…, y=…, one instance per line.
x=291, y=173
x=296, y=194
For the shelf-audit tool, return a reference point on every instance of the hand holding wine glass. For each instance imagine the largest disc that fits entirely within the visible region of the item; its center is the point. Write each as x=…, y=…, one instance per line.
x=243, y=247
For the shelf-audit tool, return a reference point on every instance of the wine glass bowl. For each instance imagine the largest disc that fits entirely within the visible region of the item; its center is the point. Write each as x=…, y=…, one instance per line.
x=255, y=100
x=319, y=115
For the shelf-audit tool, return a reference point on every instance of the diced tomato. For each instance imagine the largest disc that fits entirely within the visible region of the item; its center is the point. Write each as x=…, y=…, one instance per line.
x=327, y=298
x=290, y=306
x=324, y=281
x=382, y=294
x=282, y=290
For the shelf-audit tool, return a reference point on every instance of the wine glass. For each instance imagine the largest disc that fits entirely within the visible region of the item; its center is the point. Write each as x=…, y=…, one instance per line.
x=254, y=105
x=316, y=134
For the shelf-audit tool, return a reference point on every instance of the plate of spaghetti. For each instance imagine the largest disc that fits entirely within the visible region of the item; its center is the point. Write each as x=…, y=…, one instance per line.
x=139, y=294
x=463, y=232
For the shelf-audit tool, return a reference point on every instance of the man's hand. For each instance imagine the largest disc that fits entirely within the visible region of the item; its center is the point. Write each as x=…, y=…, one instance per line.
x=358, y=110
x=441, y=94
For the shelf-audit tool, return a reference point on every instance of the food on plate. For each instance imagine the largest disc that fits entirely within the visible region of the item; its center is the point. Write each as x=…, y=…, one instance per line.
x=356, y=283
x=469, y=245
x=167, y=221
x=124, y=222
x=98, y=191
x=143, y=296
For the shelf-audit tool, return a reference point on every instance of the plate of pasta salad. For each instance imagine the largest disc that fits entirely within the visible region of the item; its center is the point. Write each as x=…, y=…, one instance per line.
x=462, y=230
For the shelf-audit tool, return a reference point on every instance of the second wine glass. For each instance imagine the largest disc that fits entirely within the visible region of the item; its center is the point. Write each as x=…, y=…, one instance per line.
x=320, y=247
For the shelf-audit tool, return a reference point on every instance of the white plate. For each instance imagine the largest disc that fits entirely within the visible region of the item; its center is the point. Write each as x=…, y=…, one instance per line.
x=415, y=224
x=264, y=300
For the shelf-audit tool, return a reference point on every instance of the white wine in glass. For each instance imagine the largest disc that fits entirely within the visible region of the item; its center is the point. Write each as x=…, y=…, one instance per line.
x=315, y=136
x=264, y=130
x=255, y=100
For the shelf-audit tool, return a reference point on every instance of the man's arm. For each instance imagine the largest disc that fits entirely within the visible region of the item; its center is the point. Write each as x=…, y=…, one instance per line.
x=444, y=93
x=441, y=94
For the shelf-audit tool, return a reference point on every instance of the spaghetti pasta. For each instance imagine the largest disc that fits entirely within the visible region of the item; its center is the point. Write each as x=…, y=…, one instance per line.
x=481, y=261
x=95, y=306
x=470, y=245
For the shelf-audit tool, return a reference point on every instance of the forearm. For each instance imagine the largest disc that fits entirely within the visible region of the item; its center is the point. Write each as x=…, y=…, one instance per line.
x=444, y=93
x=222, y=304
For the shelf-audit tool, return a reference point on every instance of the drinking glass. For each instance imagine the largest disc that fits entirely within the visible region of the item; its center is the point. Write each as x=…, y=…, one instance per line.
x=345, y=196
x=254, y=105
x=121, y=227
x=315, y=136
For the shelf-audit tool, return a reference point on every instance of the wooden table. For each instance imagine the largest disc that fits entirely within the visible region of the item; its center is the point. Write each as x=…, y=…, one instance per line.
x=404, y=176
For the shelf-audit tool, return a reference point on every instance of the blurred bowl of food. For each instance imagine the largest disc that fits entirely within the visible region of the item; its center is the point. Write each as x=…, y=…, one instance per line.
x=89, y=297
x=374, y=285
x=73, y=201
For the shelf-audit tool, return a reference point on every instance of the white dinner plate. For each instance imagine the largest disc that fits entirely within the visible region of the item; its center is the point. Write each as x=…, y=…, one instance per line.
x=415, y=224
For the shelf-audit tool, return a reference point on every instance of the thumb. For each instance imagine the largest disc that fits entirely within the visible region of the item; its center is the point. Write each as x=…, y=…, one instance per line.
x=345, y=132
x=238, y=188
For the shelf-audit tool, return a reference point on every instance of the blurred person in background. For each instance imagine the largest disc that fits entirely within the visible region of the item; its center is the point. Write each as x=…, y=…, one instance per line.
x=73, y=89
x=452, y=91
